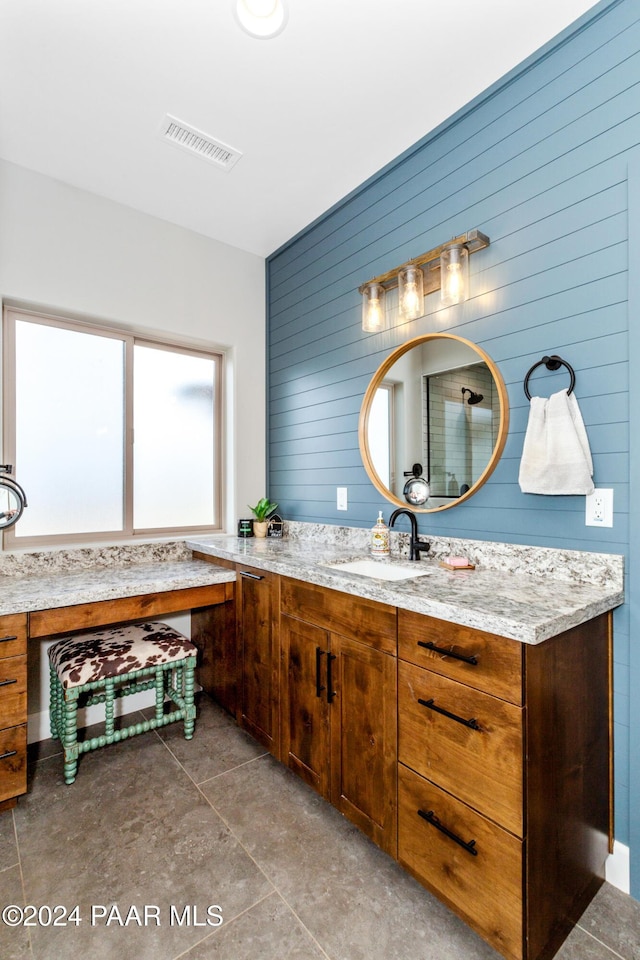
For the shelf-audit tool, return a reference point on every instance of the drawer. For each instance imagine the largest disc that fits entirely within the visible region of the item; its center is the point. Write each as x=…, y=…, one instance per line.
x=13, y=762
x=357, y=618
x=467, y=742
x=13, y=635
x=479, y=873
x=13, y=691
x=481, y=660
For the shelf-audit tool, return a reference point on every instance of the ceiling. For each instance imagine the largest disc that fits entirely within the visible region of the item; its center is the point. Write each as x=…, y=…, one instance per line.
x=348, y=85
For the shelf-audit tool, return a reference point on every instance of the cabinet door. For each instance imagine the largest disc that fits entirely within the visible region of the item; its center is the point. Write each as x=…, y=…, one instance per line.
x=363, y=738
x=213, y=630
x=306, y=703
x=259, y=706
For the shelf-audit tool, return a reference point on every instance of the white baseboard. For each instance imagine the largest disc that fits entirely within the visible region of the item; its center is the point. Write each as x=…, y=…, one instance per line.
x=617, y=867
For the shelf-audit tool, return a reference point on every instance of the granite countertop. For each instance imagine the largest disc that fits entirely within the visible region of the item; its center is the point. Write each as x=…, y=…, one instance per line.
x=56, y=587
x=522, y=592
x=525, y=593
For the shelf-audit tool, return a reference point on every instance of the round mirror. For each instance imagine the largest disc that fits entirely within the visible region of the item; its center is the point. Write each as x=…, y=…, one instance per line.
x=433, y=422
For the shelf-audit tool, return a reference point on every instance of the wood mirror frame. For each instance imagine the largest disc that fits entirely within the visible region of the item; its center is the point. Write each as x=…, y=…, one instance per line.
x=377, y=380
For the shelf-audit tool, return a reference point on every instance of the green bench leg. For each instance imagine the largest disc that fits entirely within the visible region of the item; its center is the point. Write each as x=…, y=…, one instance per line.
x=70, y=736
x=159, y=694
x=55, y=699
x=189, y=705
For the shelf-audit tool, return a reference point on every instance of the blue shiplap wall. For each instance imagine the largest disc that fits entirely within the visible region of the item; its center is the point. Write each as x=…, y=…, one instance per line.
x=540, y=164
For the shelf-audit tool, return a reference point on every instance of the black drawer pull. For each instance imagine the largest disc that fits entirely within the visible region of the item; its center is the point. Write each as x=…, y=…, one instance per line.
x=430, y=817
x=330, y=691
x=9, y=753
x=319, y=685
x=6, y=639
x=252, y=576
x=5, y=683
x=448, y=653
x=473, y=723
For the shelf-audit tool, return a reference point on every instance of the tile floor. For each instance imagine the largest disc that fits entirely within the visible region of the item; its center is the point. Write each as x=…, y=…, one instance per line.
x=179, y=827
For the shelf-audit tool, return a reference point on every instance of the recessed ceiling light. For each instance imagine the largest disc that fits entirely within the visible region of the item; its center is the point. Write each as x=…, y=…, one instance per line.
x=261, y=19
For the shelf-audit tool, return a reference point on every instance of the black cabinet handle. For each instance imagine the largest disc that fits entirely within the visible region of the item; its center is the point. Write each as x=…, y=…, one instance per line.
x=9, y=753
x=319, y=656
x=252, y=576
x=430, y=817
x=330, y=691
x=448, y=653
x=5, y=683
x=473, y=723
x=6, y=639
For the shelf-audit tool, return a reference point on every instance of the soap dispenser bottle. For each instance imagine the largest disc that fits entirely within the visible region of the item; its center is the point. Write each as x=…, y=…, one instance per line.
x=380, y=538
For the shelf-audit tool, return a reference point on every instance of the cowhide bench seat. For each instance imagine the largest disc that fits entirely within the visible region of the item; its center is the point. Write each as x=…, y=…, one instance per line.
x=97, y=667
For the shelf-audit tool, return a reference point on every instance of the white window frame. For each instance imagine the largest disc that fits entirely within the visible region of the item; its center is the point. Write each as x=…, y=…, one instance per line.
x=128, y=533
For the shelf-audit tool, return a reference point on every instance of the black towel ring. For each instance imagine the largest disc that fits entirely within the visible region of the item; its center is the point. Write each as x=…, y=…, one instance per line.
x=551, y=363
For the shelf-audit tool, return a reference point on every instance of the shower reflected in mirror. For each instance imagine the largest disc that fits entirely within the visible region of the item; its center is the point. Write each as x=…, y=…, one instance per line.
x=473, y=397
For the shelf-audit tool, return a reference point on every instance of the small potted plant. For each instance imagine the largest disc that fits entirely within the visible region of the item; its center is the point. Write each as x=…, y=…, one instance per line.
x=261, y=511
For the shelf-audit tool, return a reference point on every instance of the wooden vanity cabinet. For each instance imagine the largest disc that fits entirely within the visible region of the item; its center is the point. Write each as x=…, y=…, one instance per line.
x=257, y=612
x=13, y=708
x=339, y=702
x=481, y=763
x=504, y=777
x=239, y=652
x=213, y=630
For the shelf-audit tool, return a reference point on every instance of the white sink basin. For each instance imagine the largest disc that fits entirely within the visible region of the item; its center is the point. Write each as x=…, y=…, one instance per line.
x=381, y=569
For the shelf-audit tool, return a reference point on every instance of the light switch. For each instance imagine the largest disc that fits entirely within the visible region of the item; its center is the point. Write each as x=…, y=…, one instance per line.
x=341, y=498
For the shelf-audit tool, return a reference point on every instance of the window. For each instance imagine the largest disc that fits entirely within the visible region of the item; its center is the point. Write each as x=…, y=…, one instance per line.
x=110, y=435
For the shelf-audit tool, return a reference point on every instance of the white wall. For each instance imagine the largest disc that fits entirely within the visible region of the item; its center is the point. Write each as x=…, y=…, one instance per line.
x=71, y=252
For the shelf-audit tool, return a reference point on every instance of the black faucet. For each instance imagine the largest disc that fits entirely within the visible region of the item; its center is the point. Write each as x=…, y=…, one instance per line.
x=416, y=547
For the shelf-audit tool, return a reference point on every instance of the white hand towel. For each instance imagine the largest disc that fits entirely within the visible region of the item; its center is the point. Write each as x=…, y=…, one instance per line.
x=556, y=458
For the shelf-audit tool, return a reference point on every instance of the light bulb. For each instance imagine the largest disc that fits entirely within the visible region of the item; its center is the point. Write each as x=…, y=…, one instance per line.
x=411, y=292
x=454, y=282
x=454, y=265
x=410, y=300
x=374, y=316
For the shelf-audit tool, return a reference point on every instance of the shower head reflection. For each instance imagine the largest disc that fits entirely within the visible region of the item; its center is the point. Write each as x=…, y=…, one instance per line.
x=473, y=397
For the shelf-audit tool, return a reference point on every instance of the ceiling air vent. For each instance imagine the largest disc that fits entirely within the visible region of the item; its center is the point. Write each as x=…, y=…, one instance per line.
x=201, y=144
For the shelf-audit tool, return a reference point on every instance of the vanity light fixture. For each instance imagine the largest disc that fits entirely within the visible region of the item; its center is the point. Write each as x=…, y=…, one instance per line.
x=261, y=19
x=444, y=268
x=410, y=292
x=454, y=274
x=374, y=315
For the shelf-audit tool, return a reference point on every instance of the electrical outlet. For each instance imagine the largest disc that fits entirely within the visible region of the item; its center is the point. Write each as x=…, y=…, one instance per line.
x=341, y=498
x=599, y=508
